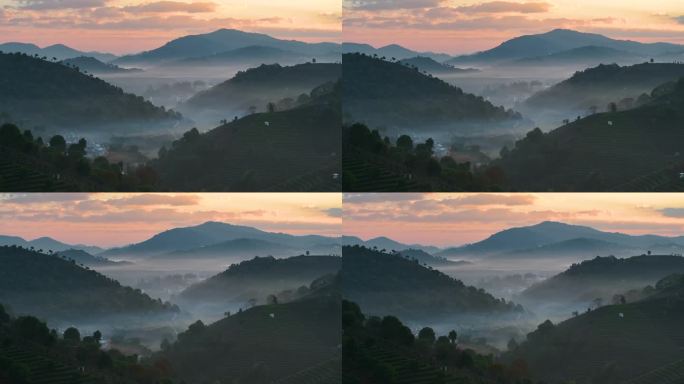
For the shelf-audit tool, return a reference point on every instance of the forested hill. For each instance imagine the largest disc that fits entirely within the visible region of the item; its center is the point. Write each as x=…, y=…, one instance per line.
x=603, y=277
x=384, y=283
x=296, y=149
x=45, y=93
x=610, y=344
x=385, y=93
x=266, y=83
x=602, y=151
x=298, y=341
x=603, y=84
x=261, y=276
x=60, y=290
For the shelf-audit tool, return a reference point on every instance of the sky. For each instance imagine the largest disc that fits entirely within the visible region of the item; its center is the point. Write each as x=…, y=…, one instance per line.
x=128, y=26
x=108, y=220
x=444, y=219
x=466, y=26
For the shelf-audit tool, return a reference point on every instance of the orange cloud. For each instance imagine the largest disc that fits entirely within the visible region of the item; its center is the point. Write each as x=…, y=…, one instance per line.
x=171, y=7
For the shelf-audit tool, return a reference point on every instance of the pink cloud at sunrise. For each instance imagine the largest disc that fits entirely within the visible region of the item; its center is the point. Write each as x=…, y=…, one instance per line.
x=445, y=219
x=465, y=26
x=107, y=220
x=130, y=26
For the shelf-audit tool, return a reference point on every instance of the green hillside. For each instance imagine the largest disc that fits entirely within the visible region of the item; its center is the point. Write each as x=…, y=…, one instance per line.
x=31, y=164
x=267, y=83
x=602, y=151
x=604, y=84
x=383, y=350
x=262, y=344
x=603, y=277
x=60, y=290
x=50, y=94
x=387, y=283
x=260, y=277
x=31, y=353
x=610, y=344
x=261, y=152
x=387, y=94
x=372, y=163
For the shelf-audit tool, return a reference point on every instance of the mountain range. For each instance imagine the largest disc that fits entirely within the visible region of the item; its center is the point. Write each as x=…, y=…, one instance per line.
x=549, y=239
x=208, y=237
x=47, y=244
x=391, y=51
x=58, y=51
x=95, y=66
x=218, y=42
x=563, y=42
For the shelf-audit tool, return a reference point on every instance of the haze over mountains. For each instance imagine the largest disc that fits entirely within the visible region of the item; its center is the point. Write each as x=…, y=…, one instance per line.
x=563, y=40
x=221, y=41
x=554, y=239
x=58, y=51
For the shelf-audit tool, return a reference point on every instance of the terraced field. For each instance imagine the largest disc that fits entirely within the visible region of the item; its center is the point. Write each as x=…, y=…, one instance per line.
x=43, y=370
x=669, y=374
x=369, y=176
x=667, y=180
x=21, y=176
x=326, y=180
x=329, y=372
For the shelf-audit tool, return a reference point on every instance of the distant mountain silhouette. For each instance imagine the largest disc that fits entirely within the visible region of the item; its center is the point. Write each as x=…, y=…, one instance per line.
x=45, y=93
x=86, y=259
x=604, y=151
x=252, y=55
x=427, y=259
x=58, y=51
x=47, y=244
x=222, y=40
x=388, y=94
x=556, y=41
x=426, y=64
x=386, y=243
x=213, y=234
x=391, y=51
x=587, y=56
x=94, y=66
x=550, y=235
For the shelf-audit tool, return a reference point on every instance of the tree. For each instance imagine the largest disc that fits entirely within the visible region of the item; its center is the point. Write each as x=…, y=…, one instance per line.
x=405, y=142
x=612, y=107
x=453, y=336
x=58, y=143
x=271, y=107
x=271, y=299
x=4, y=316
x=72, y=334
x=427, y=334
x=97, y=335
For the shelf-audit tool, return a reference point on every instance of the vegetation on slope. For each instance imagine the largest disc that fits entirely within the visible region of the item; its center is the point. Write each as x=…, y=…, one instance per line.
x=384, y=93
x=595, y=88
x=373, y=163
x=612, y=343
x=297, y=148
x=601, y=151
x=383, y=350
x=50, y=94
x=387, y=283
x=29, y=164
x=57, y=289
